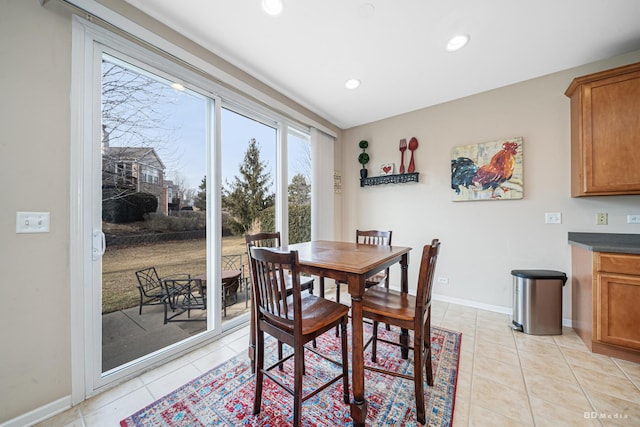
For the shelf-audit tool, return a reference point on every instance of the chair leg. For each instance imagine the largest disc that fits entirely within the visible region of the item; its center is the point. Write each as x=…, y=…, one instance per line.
x=165, y=312
x=374, y=344
x=345, y=362
x=280, y=366
x=427, y=357
x=418, y=379
x=297, y=384
x=252, y=340
x=257, y=400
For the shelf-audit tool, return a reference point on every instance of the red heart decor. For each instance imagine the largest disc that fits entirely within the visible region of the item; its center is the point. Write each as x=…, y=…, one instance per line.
x=386, y=169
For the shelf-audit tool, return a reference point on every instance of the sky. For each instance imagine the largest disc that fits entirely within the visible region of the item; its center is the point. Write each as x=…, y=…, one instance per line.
x=188, y=116
x=181, y=115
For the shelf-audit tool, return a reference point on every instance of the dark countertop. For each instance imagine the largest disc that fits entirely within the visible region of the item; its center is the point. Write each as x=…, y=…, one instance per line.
x=606, y=242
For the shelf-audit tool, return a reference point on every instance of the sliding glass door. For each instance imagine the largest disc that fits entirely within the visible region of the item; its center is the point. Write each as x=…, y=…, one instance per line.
x=170, y=171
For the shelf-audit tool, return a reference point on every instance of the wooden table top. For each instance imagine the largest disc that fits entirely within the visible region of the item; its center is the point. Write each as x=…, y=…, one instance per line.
x=349, y=257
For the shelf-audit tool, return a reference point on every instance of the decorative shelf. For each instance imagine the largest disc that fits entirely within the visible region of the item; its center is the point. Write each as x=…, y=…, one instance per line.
x=390, y=179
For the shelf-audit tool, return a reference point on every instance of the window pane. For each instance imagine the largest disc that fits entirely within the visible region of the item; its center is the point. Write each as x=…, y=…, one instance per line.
x=248, y=198
x=299, y=188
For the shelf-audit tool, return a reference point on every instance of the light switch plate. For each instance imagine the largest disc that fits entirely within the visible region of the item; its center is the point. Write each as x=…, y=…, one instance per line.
x=553, y=218
x=32, y=222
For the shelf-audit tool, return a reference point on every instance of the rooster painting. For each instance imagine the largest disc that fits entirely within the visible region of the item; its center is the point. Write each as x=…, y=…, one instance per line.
x=487, y=171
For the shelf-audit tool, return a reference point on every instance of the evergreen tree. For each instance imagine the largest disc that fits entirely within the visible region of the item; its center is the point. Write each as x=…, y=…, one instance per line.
x=299, y=191
x=249, y=194
x=201, y=198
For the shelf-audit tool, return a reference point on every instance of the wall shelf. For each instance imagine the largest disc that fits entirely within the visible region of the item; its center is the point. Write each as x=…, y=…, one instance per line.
x=390, y=179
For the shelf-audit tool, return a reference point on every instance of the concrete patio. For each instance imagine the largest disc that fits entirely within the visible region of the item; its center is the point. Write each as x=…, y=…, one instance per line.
x=126, y=335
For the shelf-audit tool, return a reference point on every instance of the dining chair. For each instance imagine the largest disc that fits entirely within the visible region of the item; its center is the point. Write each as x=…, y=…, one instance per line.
x=411, y=312
x=371, y=237
x=271, y=240
x=292, y=318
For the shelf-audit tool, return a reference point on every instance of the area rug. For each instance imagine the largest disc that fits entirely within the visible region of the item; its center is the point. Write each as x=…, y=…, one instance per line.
x=224, y=395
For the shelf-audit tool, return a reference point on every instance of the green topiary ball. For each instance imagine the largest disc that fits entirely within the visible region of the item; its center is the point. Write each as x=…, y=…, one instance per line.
x=363, y=144
x=363, y=158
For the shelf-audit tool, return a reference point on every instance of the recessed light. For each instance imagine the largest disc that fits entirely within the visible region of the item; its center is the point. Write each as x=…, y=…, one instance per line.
x=352, y=83
x=272, y=7
x=457, y=42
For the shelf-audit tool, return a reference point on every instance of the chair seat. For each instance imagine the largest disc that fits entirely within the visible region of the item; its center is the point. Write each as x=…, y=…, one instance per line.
x=389, y=303
x=377, y=278
x=317, y=313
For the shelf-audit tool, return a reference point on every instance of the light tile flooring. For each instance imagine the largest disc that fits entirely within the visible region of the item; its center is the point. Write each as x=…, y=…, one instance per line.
x=506, y=378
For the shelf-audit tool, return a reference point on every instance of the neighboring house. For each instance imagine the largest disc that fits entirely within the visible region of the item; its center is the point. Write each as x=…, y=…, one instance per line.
x=126, y=170
x=173, y=196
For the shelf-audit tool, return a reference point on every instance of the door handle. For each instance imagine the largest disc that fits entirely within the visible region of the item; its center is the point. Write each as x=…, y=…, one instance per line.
x=99, y=244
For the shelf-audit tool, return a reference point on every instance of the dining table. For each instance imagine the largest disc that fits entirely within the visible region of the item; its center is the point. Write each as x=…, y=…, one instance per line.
x=352, y=263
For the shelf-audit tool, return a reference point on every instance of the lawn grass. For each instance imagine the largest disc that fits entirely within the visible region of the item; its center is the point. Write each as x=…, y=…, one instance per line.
x=119, y=264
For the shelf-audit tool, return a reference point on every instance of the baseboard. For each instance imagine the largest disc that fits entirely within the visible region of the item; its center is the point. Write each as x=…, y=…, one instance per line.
x=40, y=414
x=483, y=306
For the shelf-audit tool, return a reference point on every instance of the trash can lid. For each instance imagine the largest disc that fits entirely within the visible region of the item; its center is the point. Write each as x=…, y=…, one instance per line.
x=539, y=274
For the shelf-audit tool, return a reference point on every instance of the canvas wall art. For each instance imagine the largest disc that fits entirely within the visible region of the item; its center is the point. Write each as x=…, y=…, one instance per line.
x=488, y=171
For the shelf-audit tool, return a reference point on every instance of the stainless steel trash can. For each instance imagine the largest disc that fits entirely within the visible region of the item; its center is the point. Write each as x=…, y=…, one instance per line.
x=537, y=301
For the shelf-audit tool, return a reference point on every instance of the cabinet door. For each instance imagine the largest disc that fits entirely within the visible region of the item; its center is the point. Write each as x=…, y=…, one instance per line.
x=611, y=131
x=618, y=317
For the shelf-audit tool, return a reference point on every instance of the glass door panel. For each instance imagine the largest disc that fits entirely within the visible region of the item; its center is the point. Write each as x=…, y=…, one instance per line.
x=154, y=162
x=249, y=150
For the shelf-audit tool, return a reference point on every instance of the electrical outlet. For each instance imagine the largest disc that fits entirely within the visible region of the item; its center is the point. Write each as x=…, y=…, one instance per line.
x=633, y=219
x=443, y=280
x=602, y=218
x=553, y=218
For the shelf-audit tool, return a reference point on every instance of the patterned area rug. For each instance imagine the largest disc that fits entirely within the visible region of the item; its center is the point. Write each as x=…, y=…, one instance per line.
x=224, y=395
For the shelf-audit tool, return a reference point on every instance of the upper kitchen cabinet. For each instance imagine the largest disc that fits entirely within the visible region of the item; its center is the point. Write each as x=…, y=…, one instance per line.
x=605, y=132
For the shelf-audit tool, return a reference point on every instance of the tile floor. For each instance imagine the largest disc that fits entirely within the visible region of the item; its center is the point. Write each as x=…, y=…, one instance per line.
x=506, y=378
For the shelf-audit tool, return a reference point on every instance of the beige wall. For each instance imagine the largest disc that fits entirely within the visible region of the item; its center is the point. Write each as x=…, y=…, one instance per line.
x=482, y=241
x=35, y=66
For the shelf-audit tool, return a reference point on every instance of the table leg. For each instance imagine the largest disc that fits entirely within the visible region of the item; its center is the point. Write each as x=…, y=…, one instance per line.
x=358, y=404
x=404, y=285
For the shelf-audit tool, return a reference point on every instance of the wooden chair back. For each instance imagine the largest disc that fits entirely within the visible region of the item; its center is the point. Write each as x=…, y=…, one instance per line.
x=373, y=237
x=379, y=238
x=269, y=269
x=425, y=277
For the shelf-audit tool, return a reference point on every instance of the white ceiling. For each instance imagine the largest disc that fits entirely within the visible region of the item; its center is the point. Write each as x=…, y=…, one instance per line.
x=397, y=47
